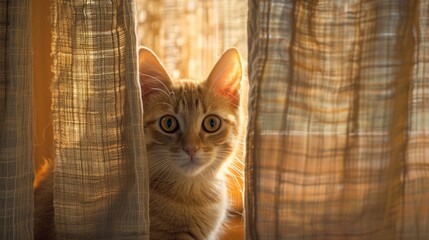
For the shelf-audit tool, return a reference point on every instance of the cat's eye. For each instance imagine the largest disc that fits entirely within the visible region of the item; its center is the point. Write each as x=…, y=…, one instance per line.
x=169, y=124
x=211, y=123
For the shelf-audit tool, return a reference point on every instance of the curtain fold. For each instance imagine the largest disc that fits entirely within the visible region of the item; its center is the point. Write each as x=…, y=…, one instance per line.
x=16, y=156
x=339, y=118
x=337, y=145
x=100, y=175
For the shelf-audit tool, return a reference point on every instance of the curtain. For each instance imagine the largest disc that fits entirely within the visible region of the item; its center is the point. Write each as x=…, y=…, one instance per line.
x=100, y=175
x=337, y=140
x=190, y=35
x=338, y=134
x=16, y=156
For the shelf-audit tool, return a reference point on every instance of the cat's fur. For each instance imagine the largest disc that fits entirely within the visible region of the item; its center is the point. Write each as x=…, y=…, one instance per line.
x=44, y=227
x=188, y=197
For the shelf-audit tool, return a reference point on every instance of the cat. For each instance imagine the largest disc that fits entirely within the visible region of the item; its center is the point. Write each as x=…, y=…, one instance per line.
x=192, y=131
x=44, y=227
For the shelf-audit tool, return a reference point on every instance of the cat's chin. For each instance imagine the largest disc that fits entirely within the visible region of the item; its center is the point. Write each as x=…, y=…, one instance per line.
x=191, y=168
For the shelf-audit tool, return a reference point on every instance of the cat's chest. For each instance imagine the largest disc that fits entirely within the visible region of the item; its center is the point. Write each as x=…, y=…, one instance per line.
x=189, y=207
x=202, y=219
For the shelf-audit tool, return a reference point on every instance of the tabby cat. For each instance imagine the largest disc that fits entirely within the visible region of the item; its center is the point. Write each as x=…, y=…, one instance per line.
x=192, y=130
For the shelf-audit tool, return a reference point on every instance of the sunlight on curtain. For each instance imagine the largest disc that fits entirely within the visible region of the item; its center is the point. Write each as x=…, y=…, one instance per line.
x=189, y=36
x=16, y=156
x=339, y=146
x=100, y=176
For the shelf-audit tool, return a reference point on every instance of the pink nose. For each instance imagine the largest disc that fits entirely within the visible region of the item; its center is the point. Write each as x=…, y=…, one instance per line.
x=191, y=150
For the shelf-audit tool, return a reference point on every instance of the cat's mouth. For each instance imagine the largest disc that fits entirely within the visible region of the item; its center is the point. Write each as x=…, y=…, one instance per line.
x=192, y=165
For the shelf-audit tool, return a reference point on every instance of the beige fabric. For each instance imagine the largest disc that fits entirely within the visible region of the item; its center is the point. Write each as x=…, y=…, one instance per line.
x=339, y=147
x=16, y=156
x=100, y=176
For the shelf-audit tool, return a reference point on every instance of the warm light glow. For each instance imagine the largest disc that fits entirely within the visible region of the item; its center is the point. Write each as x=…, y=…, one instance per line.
x=189, y=37
x=41, y=172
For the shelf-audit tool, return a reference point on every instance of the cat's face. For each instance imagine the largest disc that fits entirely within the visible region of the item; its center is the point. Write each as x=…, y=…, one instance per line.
x=191, y=127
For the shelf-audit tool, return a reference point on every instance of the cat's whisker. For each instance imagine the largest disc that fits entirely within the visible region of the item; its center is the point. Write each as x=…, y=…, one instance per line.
x=161, y=177
x=232, y=95
x=158, y=166
x=168, y=177
x=161, y=160
x=237, y=183
x=156, y=89
x=211, y=169
x=236, y=169
x=164, y=103
x=154, y=78
x=172, y=176
x=157, y=172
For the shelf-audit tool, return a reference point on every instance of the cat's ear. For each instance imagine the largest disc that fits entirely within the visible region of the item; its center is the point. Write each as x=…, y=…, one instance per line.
x=152, y=74
x=226, y=76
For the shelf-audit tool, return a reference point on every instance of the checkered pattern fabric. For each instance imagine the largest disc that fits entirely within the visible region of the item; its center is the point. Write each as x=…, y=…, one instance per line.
x=100, y=175
x=339, y=119
x=16, y=148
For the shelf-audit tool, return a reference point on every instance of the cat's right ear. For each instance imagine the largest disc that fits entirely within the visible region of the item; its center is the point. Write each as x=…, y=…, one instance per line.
x=152, y=74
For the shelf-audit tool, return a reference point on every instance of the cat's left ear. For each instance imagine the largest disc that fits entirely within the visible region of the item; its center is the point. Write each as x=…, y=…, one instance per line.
x=153, y=76
x=226, y=75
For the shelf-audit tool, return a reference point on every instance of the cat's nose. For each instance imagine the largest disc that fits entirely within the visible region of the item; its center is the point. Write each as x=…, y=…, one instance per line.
x=191, y=150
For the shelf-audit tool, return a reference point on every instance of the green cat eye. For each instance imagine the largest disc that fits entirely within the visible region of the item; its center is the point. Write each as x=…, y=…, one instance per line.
x=169, y=124
x=211, y=123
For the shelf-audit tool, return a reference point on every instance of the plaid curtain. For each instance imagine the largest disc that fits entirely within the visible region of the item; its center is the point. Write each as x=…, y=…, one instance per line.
x=338, y=137
x=338, y=116
x=16, y=149
x=100, y=175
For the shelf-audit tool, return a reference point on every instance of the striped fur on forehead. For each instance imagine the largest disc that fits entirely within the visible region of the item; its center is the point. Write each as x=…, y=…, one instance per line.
x=190, y=94
x=194, y=96
x=189, y=97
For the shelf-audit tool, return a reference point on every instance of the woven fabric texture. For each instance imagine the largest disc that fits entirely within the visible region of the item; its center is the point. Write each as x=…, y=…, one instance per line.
x=16, y=149
x=100, y=175
x=338, y=141
x=337, y=144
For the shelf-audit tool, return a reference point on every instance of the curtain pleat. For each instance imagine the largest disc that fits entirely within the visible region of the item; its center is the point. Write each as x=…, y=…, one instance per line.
x=100, y=175
x=338, y=136
x=16, y=156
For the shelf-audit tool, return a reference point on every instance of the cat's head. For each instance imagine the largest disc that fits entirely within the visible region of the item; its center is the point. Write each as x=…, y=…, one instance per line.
x=191, y=127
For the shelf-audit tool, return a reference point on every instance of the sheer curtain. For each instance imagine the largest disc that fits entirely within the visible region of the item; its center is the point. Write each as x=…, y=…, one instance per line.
x=338, y=137
x=100, y=175
x=16, y=156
